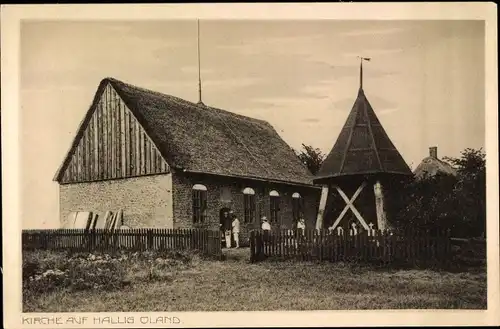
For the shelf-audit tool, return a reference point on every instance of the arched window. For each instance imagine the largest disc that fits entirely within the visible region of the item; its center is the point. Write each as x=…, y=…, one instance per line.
x=199, y=203
x=274, y=198
x=199, y=187
x=248, y=190
x=297, y=206
x=249, y=204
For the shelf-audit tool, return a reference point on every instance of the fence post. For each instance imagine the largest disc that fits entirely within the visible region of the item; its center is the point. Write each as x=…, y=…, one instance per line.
x=208, y=248
x=448, y=248
x=252, y=246
x=258, y=244
x=149, y=235
x=44, y=240
x=218, y=244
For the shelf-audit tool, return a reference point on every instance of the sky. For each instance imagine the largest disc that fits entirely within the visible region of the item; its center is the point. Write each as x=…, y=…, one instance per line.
x=425, y=81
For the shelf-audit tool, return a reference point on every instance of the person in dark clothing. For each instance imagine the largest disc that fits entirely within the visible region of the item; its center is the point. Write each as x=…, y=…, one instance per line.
x=225, y=223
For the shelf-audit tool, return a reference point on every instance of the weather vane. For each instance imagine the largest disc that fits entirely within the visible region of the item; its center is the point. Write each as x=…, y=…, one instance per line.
x=361, y=70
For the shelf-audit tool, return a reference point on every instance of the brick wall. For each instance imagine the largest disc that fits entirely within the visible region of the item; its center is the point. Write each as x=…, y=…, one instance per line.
x=166, y=200
x=228, y=192
x=146, y=201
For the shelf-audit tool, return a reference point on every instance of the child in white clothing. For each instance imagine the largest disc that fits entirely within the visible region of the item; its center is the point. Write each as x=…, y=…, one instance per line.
x=236, y=230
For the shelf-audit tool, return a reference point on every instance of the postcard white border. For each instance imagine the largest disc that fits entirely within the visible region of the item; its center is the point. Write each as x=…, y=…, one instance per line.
x=13, y=14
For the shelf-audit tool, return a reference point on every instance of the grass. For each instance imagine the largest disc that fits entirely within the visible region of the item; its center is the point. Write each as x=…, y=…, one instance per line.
x=236, y=285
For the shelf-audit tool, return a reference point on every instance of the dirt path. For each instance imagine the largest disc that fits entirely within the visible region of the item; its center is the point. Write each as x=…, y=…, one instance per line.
x=237, y=254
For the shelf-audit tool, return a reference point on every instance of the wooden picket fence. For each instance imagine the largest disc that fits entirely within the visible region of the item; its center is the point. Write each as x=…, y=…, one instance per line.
x=367, y=246
x=207, y=242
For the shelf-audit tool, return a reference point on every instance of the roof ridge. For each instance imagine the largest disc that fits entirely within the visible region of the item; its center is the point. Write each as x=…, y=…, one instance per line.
x=177, y=127
x=441, y=162
x=440, y=165
x=184, y=101
x=368, y=122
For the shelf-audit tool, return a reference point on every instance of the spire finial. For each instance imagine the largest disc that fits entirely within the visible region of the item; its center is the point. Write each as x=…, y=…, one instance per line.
x=199, y=67
x=361, y=70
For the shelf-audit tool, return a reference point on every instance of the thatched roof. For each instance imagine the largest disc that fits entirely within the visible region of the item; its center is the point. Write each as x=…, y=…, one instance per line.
x=362, y=147
x=431, y=166
x=198, y=138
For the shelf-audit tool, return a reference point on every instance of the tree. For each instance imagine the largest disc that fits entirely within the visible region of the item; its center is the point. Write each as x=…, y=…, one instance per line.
x=445, y=201
x=426, y=203
x=471, y=162
x=311, y=157
x=470, y=190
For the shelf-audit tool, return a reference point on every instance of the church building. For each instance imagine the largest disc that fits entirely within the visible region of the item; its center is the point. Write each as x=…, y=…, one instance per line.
x=166, y=162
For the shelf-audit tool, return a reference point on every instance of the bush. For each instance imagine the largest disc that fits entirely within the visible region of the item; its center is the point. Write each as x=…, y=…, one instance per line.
x=96, y=274
x=45, y=271
x=42, y=265
x=45, y=274
x=445, y=201
x=46, y=281
x=44, y=260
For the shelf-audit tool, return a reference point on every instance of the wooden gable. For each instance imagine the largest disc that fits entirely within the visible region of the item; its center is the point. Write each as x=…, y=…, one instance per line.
x=110, y=144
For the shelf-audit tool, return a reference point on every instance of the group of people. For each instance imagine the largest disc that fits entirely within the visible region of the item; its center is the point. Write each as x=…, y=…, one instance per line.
x=230, y=226
x=301, y=224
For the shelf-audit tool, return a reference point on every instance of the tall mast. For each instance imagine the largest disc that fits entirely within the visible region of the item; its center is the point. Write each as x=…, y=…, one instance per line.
x=199, y=66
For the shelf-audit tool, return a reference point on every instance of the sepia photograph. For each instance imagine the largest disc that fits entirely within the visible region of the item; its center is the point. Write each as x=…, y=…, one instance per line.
x=223, y=165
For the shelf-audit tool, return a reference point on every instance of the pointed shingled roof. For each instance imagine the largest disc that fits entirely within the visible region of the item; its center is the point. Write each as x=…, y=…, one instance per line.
x=362, y=147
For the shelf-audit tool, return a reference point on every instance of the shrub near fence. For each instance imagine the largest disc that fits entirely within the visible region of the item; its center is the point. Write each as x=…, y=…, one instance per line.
x=367, y=246
x=208, y=242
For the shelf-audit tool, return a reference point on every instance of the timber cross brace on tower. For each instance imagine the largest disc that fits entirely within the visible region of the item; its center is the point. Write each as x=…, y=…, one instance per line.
x=362, y=156
x=350, y=205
